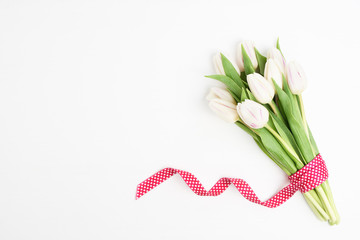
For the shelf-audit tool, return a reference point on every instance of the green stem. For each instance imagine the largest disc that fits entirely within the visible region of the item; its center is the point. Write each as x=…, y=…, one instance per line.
x=316, y=197
x=317, y=206
x=328, y=192
x=313, y=208
x=324, y=191
x=326, y=204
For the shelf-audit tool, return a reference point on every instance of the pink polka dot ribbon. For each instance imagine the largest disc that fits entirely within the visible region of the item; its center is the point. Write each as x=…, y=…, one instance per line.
x=307, y=178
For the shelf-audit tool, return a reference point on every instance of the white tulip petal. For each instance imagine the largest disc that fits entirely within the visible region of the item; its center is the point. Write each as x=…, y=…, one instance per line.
x=218, y=64
x=211, y=95
x=272, y=71
x=220, y=93
x=262, y=90
x=296, y=78
x=225, y=110
x=277, y=56
x=253, y=114
x=219, y=69
x=250, y=51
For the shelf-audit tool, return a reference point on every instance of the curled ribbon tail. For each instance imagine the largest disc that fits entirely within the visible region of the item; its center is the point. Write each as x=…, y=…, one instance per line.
x=307, y=178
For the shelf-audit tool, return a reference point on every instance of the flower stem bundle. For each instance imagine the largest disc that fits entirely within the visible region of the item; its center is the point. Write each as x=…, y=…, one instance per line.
x=262, y=95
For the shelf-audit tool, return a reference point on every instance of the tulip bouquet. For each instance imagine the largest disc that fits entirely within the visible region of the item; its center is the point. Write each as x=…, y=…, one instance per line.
x=262, y=95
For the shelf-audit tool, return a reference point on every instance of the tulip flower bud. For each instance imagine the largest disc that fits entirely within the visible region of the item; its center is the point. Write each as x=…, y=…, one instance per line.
x=253, y=114
x=263, y=91
x=279, y=59
x=272, y=71
x=219, y=69
x=218, y=64
x=250, y=51
x=296, y=77
x=224, y=109
x=220, y=93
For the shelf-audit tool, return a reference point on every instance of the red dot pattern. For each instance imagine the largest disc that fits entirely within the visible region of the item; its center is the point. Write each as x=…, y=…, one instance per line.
x=307, y=178
x=310, y=176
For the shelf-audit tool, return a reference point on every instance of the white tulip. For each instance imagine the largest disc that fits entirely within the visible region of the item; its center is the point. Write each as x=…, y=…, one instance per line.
x=296, y=77
x=272, y=71
x=224, y=109
x=220, y=93
x=250, y=51
x=219, y=69
x=279, y=59
x=263, y=91
x=218, y=64
x=253, y=114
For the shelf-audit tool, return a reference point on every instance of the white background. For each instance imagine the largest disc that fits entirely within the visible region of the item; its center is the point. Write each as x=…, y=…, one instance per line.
x=96, y=96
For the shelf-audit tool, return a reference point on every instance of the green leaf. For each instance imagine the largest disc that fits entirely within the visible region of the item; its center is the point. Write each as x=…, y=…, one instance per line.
x=261, y=61
x=243, y=76
x=270, y=122
x=286, y=134
x=233, y=87
x=243, y=95
x=284, y=100
x=230, y=71
x=278, y=46
x=234, y=95
x=293, y=98
x=247, y=130
x=286, y=86
x=284, y=131
x=245, y=83
x=261, y=146
x=276, y=150
x=257, y=140
x=313, y=143
x=301, y=138
x=295, y=124
x=281, y=109
x=247, y=62
x=251, y=96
